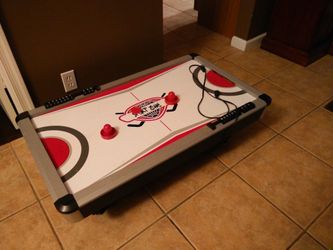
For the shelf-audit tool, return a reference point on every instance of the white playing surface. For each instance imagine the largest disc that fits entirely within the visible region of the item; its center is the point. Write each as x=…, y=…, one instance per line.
x=107, y=156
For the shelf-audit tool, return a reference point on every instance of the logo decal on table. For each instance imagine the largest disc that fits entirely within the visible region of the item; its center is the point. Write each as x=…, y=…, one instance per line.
x=151, y=109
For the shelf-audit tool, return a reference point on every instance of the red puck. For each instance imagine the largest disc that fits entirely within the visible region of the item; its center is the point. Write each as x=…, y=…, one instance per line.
x=108, y=132
x=171, y=98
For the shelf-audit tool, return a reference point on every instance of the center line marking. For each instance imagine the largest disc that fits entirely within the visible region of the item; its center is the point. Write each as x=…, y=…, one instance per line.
x=165, y=125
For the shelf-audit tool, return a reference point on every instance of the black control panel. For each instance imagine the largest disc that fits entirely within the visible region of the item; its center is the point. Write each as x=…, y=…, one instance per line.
x=232, y=115
x=71, y=96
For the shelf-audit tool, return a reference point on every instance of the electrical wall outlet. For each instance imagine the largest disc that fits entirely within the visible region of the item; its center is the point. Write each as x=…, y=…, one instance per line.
x=69, y=80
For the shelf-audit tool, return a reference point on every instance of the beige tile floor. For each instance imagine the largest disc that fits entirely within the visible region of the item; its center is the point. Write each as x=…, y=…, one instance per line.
x=269, y=187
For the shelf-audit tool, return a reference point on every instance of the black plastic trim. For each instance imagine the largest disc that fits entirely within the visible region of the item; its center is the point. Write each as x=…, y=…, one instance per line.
x=71, y=96
x=329, y=106
x=22, y=116
x=66, y=204
x=266, y=98
x=11, y=101
x=194, y=55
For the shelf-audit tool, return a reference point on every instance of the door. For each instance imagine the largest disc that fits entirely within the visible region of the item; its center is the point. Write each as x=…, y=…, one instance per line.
x=219, y=15
x=14, y=96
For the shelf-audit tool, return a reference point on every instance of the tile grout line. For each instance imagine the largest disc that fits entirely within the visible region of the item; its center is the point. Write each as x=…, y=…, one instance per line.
x=196, y=192
x=301, y=235
x=181, y=11
x=152, y=197
x=270, y=202
x=316, y=240
x=25, y=173
x=315, y=219
x=17, y=212
x=181, y=232
x=307, y=150
x=260, y=76
x=248, y=71
x=292, y=93
x=249, y=154
x=166, y=213
x=51, y=225
x=275, y=85
x=296, y=239
x=217, y=53
x=135, y=236
x=37, y=198
x=280, y=133
x=304, y=229
x=292, y=123
x=317, y=107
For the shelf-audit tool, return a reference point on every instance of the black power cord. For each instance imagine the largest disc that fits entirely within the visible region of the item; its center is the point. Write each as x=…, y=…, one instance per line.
x=216, y=94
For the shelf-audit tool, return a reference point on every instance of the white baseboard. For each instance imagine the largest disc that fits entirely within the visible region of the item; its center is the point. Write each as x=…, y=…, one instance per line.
x=243, y=45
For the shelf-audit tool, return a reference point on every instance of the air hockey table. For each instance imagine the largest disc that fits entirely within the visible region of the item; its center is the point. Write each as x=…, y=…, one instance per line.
x=97, y=145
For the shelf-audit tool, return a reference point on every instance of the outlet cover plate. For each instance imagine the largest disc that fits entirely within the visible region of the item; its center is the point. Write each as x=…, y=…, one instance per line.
x=69, y=80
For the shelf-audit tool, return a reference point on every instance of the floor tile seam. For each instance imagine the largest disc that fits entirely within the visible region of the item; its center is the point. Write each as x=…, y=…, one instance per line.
x=298, y=119
x=305, y=229
x=17, y=144
x=276, y=85
x=5, y=148
x=315, y=108
x=213, y=52
x=175, y=8
x=154, y=200
x=167, y=211
x=245, y=69
x=170, y=7
x=17, y=211
x=307, y=150
x=315, y=219
x=185, y=13
x=322, y=244
x=242, y=67
x=281, y=69
x=326, y=102
x=217, y=53
x=316, y=72
x=54, y=231
x=269, y=201
x=38, y=200
x=250, y=153
x=136, y=235
x=293, y=93
x=318, y=241
x=274, y=129
x=271, y=82
x=301, y=235
x=181, y=232
x=196, y=192
x=26, y=176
